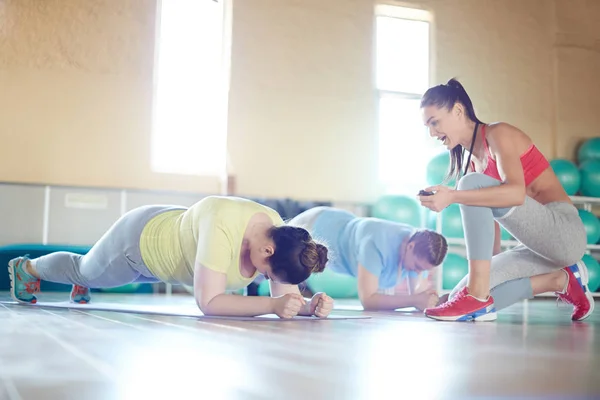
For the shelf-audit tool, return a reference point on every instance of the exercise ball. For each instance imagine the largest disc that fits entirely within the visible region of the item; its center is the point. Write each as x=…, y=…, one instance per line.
x=452, y=222
x=590, y=178
x=589, y=150
x=264, y=289
x=592, y=226
x=437, y=168
x=431, y=220
x=336, y=285
x=568, y=174
x=593, y=268
x=403, y=209
x=454, y=268
x=504, y=235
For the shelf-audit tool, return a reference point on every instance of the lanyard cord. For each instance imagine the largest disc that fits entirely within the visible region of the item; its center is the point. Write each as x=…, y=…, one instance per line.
x=470, y=150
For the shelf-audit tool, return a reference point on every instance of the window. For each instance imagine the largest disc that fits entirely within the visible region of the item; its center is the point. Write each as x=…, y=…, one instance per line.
x=402, y=76
x=190, y=108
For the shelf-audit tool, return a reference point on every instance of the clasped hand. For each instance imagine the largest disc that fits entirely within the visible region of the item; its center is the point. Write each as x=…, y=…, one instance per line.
x=291, y=304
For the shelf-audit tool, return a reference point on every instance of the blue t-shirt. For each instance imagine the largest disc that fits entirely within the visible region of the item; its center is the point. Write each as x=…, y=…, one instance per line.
x=370, y=242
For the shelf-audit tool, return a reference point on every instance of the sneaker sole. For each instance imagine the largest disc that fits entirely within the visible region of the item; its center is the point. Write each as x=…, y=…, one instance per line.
x=585, y=279
x=11, y=265
x=488, y=317
x=82, y=300
x=79, y=301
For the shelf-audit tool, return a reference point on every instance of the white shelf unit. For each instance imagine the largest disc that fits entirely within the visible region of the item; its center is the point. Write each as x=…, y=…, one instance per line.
x=585, y=203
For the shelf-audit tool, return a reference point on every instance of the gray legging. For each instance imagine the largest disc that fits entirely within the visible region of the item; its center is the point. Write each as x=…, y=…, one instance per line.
x=115, y=260
x=551, y=236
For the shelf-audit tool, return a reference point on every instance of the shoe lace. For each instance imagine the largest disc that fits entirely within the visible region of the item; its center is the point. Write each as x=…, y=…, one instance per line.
x=32, y=287
x=561, y=298
x=80, y=290
x=453, y=300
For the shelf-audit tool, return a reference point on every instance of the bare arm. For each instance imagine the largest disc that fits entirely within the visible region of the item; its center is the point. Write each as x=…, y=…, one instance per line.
x=209, y=292
x=512, y=191
x=497, y=238
x=371, y=300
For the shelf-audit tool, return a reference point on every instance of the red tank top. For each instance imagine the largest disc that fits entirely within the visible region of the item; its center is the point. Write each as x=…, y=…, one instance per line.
x=532, y=160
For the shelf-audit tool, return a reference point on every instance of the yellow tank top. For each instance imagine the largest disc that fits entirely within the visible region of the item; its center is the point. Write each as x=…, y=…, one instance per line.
x=209, y=233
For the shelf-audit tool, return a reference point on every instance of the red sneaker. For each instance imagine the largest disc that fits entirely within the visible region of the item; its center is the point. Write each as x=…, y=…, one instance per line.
x=464, y=307
x=577, y=292
x=80, y=294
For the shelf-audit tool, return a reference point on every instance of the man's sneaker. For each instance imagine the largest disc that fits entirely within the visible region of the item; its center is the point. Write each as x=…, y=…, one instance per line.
x=23, y=286
x=80, y=294
x=576, y=291
x=464, y=307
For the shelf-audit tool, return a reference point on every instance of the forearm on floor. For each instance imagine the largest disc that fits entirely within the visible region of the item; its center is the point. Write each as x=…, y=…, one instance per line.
x=384, y=302
x=238, y=306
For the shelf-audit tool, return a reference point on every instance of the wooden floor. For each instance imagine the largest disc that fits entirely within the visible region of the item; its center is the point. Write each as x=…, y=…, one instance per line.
x=532, y=351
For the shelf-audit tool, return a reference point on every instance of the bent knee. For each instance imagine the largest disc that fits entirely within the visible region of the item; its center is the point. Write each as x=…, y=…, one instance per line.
x=567, y=255
x=476, y=180
x=571, y=257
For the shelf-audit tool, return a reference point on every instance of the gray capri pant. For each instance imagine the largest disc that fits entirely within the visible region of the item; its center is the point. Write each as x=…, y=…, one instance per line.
x=552, y=236
x=115, y=260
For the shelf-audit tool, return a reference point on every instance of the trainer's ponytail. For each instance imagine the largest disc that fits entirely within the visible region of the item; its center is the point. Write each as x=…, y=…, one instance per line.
x=446, y=96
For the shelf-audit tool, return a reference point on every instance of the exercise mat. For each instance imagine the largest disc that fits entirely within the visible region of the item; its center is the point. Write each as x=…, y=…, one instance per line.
x=176, y=310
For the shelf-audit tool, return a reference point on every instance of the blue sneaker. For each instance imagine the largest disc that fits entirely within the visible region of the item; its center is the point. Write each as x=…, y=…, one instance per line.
x=22, y=285
x=80, y=294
